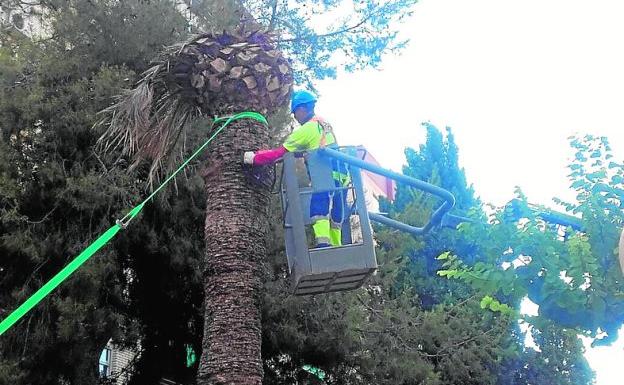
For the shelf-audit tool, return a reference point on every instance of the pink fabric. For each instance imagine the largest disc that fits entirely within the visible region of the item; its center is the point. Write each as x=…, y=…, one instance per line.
x=263, y=157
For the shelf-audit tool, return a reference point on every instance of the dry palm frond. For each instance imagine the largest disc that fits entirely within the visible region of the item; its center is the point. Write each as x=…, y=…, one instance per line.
x=128, y=118
x=211, y=73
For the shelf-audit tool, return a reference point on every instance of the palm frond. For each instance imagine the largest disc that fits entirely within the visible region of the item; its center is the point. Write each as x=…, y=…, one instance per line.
x=147, y=121
x=127, y=120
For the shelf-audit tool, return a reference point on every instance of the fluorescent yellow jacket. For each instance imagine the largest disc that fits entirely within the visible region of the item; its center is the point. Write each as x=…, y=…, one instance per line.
x=310, y=136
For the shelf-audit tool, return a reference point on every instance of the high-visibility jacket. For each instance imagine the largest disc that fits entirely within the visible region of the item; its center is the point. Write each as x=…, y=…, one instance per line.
x=310, y=136
x=313, y=134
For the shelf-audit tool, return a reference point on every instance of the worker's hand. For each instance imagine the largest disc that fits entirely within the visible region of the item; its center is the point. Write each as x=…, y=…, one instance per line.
x=248, y=157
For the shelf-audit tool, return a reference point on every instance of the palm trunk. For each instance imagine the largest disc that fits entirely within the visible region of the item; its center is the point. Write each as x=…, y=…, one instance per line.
x=215, y=74
x=235, y=233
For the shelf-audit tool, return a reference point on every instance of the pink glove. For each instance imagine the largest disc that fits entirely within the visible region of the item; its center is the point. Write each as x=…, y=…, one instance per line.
x=264, y=157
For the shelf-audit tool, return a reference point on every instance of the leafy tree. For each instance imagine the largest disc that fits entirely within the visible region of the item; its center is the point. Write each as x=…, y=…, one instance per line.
x=320, y=36
x=560, y=360
x=529, y=364
x=409, y=326
x=56, y=85
x=437, y=160
x=573, y=276
x=58, y=194
x=238, y=70
x=475, y=343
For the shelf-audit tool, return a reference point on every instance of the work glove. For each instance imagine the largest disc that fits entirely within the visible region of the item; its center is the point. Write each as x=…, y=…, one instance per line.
x=248, y=157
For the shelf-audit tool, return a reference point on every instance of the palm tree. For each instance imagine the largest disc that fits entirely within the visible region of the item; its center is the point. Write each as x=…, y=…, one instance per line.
x=215, y=74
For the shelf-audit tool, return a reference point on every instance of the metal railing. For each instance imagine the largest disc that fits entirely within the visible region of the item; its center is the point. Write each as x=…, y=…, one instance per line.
x=444, y=208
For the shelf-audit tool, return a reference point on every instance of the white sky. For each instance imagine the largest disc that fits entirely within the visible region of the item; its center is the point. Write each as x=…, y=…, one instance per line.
x=513, y=79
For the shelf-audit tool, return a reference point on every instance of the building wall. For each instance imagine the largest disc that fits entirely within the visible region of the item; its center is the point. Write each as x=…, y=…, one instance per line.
x=119, y=363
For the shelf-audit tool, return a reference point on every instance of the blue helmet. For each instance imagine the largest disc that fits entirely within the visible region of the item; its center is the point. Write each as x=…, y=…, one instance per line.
x=301, y=97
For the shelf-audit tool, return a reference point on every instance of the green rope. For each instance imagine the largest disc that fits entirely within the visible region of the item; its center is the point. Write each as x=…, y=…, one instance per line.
x=68, y=270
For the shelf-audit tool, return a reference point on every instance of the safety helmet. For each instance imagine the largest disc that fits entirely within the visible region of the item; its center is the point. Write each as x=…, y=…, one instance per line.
x=301, y=97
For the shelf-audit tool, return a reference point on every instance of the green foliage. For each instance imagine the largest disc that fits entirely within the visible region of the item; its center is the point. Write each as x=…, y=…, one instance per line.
x=494, y=305
x=57, y=194
x=410, y=326
x=320, y=35
x=437, y=161
x=463, y=255
x=573, y=276
x=560, y=360
x=382, y=335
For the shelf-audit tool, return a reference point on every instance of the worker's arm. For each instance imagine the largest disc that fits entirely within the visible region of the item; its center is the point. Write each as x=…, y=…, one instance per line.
x=298, y=140
x=263, y=157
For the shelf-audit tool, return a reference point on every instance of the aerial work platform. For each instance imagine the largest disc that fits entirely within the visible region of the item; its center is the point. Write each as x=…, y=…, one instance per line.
x=346, y=267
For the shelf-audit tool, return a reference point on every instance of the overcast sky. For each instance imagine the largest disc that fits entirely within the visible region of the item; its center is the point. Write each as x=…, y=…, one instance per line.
x=513, y=79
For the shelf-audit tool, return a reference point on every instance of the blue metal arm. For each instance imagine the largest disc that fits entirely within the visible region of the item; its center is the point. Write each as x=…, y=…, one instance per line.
x=449, y=199
x=548, y=215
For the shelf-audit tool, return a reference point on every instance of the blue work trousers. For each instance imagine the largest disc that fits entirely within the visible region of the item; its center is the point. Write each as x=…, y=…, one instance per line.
x=327, y=211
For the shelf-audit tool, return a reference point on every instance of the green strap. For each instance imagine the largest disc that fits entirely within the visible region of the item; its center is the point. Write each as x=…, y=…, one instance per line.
x=227, y=120
x=68, y=270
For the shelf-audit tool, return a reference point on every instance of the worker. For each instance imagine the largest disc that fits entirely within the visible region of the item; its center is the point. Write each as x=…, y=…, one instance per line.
x=327, y=209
